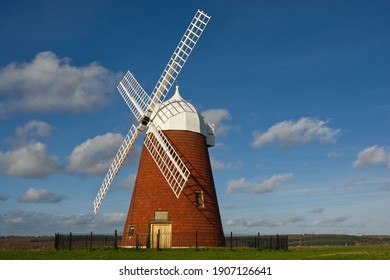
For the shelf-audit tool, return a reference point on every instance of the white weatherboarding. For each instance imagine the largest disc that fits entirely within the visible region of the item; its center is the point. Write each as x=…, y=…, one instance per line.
x=144, y=107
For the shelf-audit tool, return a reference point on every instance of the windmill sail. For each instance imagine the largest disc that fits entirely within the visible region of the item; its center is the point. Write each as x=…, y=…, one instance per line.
x=166, y=158
x=120, y=157
x=134, y=95
x=179, y=58
x=143, y=106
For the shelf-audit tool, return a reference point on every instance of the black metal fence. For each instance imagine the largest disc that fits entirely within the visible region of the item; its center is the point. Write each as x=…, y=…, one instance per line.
x=232, y=241
x=85, y=241
x=276, y=242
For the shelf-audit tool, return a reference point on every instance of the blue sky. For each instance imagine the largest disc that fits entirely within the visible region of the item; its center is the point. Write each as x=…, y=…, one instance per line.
x=299, y=92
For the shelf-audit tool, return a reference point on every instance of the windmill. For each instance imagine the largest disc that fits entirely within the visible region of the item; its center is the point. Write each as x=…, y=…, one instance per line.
x=174, y=192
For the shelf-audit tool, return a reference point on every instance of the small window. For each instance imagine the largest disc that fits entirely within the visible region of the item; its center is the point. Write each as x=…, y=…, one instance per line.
x=199, y=199
x=130, y=232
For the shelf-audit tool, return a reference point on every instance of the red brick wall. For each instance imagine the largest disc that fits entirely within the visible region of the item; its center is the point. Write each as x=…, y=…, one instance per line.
x=152, y=193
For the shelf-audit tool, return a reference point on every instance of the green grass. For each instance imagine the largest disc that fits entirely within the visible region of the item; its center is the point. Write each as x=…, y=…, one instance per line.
x=294, y=253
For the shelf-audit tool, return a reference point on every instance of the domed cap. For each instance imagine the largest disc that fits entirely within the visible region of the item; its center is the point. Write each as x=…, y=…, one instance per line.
x=179, y=114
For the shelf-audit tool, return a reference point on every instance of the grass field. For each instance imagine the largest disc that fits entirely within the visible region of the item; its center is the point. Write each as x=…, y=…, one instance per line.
x=294, y=253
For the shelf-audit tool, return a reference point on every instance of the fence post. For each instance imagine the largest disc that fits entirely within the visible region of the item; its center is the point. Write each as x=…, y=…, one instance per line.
x=57, y=241
x=158, y=240
x=136, y=241
x=258, y=241
x=286, y=245
x=196, y=240
x=115, y=240
x=70, y=240
x=90, y=242
x=231, y=241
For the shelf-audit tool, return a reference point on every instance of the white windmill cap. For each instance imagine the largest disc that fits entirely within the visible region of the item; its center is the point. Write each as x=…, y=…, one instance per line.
x=177, y=113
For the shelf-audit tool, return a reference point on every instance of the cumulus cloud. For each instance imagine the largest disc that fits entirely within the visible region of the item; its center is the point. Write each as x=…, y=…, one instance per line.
x=33, y=195
x=272, y=183
x=268, y=185
x=28, y=157
x=290, y=132
x=94, y=156
x=34, y=129
x=372, y=155
x=29, y=161
x=217, y=117
x=51, y=84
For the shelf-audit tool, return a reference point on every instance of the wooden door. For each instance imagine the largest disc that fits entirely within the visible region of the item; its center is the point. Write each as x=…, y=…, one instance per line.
x=161, y=236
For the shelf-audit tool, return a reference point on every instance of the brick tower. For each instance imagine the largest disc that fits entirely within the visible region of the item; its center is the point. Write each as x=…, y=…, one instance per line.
x=156, y=216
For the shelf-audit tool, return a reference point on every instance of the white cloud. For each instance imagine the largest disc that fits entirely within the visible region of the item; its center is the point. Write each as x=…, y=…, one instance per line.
x=233, y=221
x=274, y=223
x=268, y=185
x=272, y=183
x=372, y=155
x=52, y=84
x=333, y=222
x=219, y=165
x=240, y=184
x=79, y=220
x=217, y=117
x=333, y=155
x=34, y=129
x=29, y=161
x=28, y=157
x=40, y=196
x=111, y=219
x=230, y=206
x=316, y=210
x=89, y=220
x=216, y=164
x=19, y=222
x=94, y=156
x=354, y=181
x=30, y=132
x=290, y=132
x=127, y=183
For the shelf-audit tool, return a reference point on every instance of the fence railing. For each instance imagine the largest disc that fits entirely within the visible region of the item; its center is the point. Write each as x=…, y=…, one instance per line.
x=276, y=242
x=85, y=241
x=191, y=239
